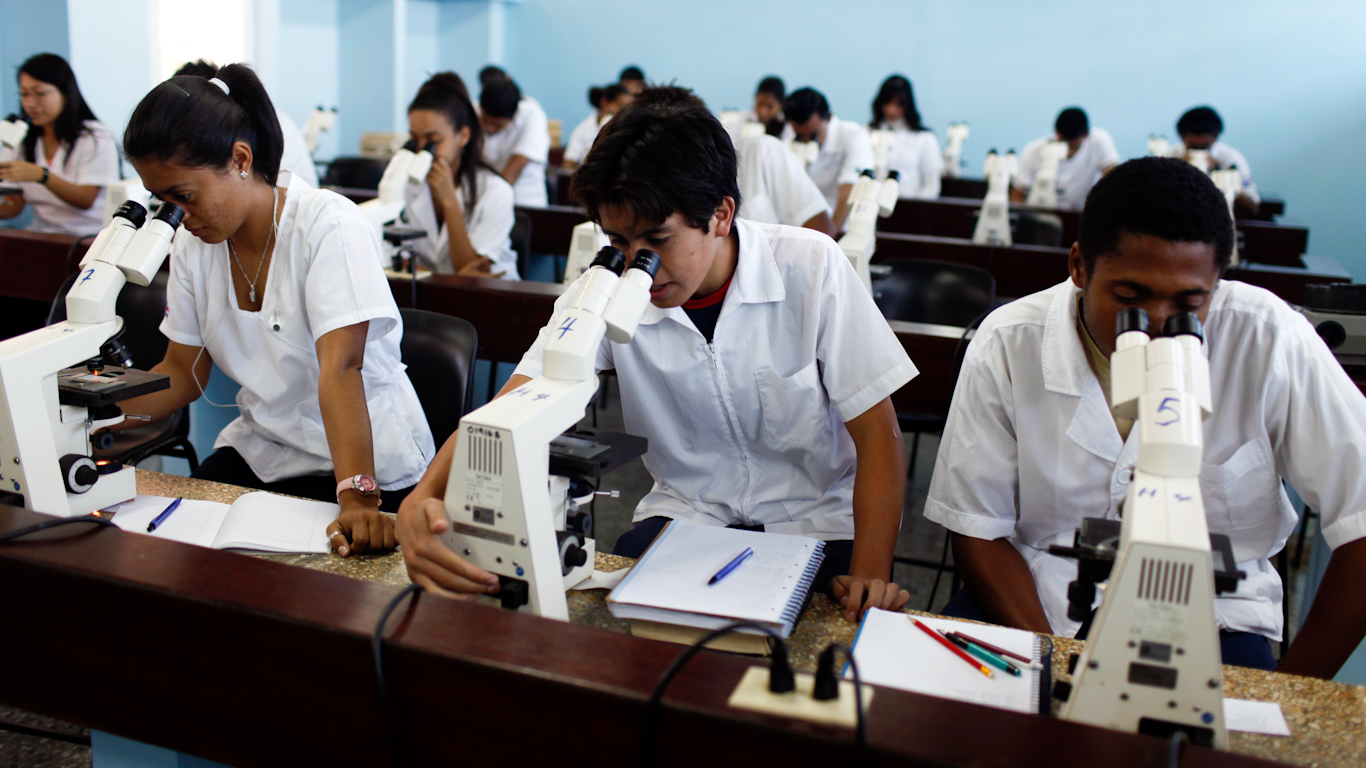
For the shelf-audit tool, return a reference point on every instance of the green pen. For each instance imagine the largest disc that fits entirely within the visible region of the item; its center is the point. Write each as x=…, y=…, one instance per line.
x=992, y=659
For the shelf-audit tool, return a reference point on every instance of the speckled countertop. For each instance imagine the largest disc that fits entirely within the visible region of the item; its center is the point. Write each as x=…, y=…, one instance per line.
x=1327, y=720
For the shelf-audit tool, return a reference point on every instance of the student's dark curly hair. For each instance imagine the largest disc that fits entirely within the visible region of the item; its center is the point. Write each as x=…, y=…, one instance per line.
x=1200, y=120
x=1159, y=196
x=802, y=103
x=664, y=153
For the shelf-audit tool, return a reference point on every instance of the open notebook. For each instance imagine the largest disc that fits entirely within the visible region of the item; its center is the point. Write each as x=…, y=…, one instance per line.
x=669, y=584
x=259, y=521
x=892, y=652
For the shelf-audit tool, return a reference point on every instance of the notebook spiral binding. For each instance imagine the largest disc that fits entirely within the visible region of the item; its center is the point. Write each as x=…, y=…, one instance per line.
x=798, y=599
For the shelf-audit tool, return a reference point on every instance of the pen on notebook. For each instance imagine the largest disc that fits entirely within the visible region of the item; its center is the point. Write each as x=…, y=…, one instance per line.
x=732, y=565
x=944, y=641
x=161, y=518
x=994, y=649
x=984, y=655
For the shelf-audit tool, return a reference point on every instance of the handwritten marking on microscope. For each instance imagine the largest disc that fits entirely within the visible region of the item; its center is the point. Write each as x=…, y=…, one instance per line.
x=567, y=327
x=1166, y=407
x=1179, y=497
x=1147, y=492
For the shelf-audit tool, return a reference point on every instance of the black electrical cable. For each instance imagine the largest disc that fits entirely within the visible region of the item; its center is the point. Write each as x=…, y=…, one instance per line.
x=861, y=727
x=1174, y=753
x=652, y=711
x=11, y=535
x=398, y=752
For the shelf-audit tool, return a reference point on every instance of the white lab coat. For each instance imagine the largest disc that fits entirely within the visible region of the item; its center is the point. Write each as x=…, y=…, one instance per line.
x=581, y=140
x=295, y=157
x=1076, y=174
x=93, y=159
x=749, y=428
x=846, y=152
x=489, y=225
x=1030, y=447
x=527, y=135
x=774, y=187
x=916, y=157
x=325, y=275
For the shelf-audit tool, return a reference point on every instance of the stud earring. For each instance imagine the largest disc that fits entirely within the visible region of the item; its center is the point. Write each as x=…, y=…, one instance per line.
x=243, y=174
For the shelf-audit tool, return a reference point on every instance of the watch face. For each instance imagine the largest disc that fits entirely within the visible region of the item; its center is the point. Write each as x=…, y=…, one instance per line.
x=365, y=484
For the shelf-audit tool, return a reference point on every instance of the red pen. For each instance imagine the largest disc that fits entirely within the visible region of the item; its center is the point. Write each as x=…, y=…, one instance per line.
x=944, y=641
x=994, y=649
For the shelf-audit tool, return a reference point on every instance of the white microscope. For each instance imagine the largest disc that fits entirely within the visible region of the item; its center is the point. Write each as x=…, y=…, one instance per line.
x=517, y=478
x=13, y=130
x=954, y=137
x=882, y=141
x=1043, y=193
x=48, y=409
x=806, y=151
x=409, y=165
x=318, y=121
x=584, y=244
x=1151, y=663
x=869, y=200
x=993, y=223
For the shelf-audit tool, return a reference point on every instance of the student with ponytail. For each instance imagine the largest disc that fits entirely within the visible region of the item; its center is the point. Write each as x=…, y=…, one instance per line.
x=465, y=206
x=281, y=286
x=606, y=101
x=65, y=158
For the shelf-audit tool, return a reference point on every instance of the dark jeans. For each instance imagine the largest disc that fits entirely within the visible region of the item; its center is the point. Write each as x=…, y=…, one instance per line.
x=1240, y=649
x=226, y=465
x=634, y=542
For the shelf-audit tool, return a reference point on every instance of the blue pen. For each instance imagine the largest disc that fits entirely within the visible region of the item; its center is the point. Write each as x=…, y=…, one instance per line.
x=732, y=565
x=161, y=518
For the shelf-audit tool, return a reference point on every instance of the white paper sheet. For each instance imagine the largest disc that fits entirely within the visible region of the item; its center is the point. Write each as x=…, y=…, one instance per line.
x=193, y=522
x=1255, y=717
x=603, y=579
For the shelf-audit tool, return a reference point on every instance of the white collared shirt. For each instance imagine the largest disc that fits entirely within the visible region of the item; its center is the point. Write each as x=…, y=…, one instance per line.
x=749, y=428
x=489, y=225
x=581, y=140
x=325, y=275
x=916, y=157
x=93, y=159
x=1076, y=174
x=295, y=157
x=527, y=135
x=774, y=187
x=1030, y=447
x=846, y=152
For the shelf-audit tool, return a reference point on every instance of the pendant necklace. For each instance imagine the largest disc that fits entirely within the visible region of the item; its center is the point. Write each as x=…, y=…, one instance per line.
x=251, y=282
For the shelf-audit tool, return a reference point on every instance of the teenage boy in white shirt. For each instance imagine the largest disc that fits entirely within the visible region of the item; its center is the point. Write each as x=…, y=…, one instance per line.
x=761, y=373
x=1031, y=446
x=1091, y=154
x=1200, y=128
x=845, y=149
x=516, y=139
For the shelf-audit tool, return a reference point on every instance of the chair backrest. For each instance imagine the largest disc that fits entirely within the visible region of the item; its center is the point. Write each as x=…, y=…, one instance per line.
x=439, y=352
x=521, y=242
x=142, y=309
x=354, y=172
x=939, y=292
x=1034, y=228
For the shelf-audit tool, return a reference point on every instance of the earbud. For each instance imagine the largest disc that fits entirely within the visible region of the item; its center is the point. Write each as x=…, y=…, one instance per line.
x=275, y=321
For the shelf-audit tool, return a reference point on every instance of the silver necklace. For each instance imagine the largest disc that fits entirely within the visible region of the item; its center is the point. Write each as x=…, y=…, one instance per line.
x=251, y=281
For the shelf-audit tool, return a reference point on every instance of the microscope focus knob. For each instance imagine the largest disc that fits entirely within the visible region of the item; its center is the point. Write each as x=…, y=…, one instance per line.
x=1081, y=595
x=78, y=472
x=1332, y=333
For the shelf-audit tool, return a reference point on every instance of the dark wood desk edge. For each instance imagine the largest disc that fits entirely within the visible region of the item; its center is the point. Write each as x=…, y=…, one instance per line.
x=139, y=618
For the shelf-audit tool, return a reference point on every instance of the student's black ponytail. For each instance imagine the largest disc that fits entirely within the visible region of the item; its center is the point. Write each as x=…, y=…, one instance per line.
x=191, y=121
x=446, y=94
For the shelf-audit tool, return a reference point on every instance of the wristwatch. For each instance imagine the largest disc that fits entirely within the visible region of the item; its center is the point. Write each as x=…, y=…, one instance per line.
x=46, y=174
x=365, y=485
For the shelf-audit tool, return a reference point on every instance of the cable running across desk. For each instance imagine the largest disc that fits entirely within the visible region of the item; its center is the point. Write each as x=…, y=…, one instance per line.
x=398, y=753
x=43, y=526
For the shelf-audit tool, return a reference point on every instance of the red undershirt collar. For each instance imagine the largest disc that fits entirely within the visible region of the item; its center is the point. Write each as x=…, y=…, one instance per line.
x=711, y=300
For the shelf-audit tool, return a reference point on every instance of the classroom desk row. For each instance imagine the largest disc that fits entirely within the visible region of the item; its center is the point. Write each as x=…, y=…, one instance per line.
x=265, y=661
x=976, y=189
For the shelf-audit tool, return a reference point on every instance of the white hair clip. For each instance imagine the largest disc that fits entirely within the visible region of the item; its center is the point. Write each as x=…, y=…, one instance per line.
x=222, y=85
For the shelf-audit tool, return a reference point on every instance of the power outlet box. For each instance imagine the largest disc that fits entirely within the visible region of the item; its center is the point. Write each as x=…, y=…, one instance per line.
x=752, y=693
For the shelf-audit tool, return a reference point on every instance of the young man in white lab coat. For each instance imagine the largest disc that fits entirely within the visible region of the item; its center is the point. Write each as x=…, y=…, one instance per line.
x=761, y=373
x=1199, y=128
x=1031, y=447
x=845, y=149
x=1091, y=154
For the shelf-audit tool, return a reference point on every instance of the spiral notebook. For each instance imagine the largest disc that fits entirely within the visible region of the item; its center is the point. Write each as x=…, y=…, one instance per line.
x=669, y=584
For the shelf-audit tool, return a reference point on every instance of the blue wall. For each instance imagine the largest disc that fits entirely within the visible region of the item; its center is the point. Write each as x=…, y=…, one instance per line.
x=29, y=27
x=1289, y=79
x=309, y=66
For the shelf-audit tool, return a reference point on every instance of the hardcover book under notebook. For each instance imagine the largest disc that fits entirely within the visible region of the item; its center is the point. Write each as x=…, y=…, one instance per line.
x=669, y=584
x=891, y=651
x=257, y=522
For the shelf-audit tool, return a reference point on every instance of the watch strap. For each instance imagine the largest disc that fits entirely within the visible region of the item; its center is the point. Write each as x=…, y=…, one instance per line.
x=46, y=175
x=365, y=485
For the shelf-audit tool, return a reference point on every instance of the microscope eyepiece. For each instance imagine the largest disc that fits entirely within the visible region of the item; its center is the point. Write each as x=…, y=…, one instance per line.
x=171, y=214
x=410, y=145
x=1132, y=319
x=894, y=175
x=869, y=172
x=134, y=212
x=646, y=261
x=1184, y=324
x=610, y=257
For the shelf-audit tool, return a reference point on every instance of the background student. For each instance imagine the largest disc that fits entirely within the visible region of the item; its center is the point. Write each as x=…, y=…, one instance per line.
x=296, y=158
x=768, y=105
x=632, y=79
x=761, y=372
x=465, y=207
x=914, y=152
x=1091, y=154
x=66, y=156
x=1199, y=128
x=606, y=101
x=516, y=138
x=280, y=285
x=844, y=148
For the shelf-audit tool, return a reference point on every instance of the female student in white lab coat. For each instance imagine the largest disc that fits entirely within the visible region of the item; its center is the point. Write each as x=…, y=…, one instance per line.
x=281, y=286
x=465, y=207
x=914, y=150
x=606, y=101
x=65, y=151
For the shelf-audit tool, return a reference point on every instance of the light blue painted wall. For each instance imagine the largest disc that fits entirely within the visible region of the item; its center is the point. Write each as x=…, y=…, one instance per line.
x=422, y=56
x=28, y=28
x=464, y=40
x=111, y=53
x=366, y=67
x=1289, y=79
x=309, y=67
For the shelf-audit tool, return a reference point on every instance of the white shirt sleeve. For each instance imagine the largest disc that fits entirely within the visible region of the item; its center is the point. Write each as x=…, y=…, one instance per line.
x=1030, y=161
x=533, y=142
x=581, y=140
x=533, y=361
x=1230, y=157
x=94, y=157
x=1106, y=154
x=489, y=226
x=181, y=323
x=858, y=152
x=345, y=284
x=931, y=166
x=975, y=484
x=795, y=196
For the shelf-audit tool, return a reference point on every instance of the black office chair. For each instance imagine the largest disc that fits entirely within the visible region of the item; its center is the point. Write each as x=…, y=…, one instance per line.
x=521, y=242
x=354, y=172
x=142, y=309
x=439, y=352
x=940, y=293
x=1035, y=228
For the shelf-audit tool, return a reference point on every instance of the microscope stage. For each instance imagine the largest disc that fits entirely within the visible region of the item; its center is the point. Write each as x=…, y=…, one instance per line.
x=77, y=386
